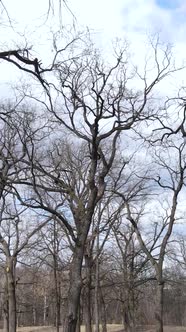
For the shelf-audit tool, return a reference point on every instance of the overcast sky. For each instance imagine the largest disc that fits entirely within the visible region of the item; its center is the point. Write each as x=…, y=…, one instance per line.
x=111, y=18
x=131, y=19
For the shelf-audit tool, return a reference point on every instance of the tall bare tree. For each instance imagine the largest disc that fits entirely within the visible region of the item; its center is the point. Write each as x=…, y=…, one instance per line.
x=95, y=105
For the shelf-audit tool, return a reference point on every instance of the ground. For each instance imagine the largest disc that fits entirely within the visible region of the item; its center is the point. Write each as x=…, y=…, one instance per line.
x=111, y=328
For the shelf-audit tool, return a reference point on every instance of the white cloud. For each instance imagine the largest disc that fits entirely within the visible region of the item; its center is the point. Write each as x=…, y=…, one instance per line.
x=107, y=18
x=131, y=19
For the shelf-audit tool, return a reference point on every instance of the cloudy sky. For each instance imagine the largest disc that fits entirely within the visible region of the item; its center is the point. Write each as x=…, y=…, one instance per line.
x=133, y=20
x=111, y=18
x=130, y=19
x=108, y=19
x=133, y=16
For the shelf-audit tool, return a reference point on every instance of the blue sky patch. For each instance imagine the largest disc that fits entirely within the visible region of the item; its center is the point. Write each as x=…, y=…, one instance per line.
x=168, y=4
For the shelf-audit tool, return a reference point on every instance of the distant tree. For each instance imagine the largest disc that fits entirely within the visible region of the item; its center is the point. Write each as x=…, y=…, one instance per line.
x=133, y=269
x=136, y=210
x=14, y=232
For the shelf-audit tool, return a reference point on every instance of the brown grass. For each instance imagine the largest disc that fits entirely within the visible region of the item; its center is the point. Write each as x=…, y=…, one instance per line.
x=166, y=329
x=110, y=327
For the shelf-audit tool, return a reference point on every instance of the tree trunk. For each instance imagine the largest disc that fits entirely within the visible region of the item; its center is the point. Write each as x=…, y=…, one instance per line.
x=97, y=314
x=5, y=318
x=56, y=278
x=131, y=309
x=34, y=315
x=57, y=296
x=58, y=309
x=126, y=321
x=87, y=295
x=5, y=323
x=11, y=295
x=45, y=310
x=78, y=325
x=103, y=313
x=159, y=307
x=83, y=222
x=75, y=286
x=5, y=308
x=129, y=322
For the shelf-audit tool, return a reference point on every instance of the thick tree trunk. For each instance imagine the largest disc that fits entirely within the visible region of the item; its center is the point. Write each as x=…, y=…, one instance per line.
x=74, y=289
x=5, y=309
x=126, y=319
x=87, y=310
x=129, y=317
x=97, y=307
x=5, y=319
x=78, y=325
x=159, y=307
x=131, y=313
x=87, y=295
x=103, y=313
x=11, y=295
x=83, y=221
x=57, y=299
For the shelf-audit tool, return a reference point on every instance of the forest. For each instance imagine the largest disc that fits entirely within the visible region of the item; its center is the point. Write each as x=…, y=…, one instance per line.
x=92, y=187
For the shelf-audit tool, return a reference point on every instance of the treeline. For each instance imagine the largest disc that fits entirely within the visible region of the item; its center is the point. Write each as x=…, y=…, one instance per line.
x=38, y=305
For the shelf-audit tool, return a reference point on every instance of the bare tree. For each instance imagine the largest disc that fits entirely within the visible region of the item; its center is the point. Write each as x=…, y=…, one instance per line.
x=133, y=266
x=14, y=233
x=94, y=105
x=172, y=184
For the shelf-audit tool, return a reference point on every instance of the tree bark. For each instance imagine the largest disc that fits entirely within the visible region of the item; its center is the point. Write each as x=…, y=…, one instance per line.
x=159, y=307
x=5, y=316
x=103, y=312
x=87, y=295
x=5, y=323
x=11, y=295
x=5, y=307
x=57, y=295
x=34, y=315
x=56, y=279
x=129, y=314
x=58, y=306
x=97, y=307
x=78, y=325
x=74, y=289
x=45, y=310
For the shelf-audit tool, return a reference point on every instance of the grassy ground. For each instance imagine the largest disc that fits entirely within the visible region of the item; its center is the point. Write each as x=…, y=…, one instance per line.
x=111, y=328
x=166, y=329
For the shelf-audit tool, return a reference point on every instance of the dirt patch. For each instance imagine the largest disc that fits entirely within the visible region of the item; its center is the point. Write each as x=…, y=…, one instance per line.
x=166, y=329
x=175, y=329
x=35, y=329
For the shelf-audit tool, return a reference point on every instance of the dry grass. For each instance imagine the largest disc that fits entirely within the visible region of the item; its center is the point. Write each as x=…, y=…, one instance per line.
x=36, y=328
x=166, y=329
x=175, y=329
x=110, y=327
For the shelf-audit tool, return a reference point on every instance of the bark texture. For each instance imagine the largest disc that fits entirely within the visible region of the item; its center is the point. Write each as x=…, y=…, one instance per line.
x=74, y=290
x=159, y=307
x=11, y=295
x=87, y=295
